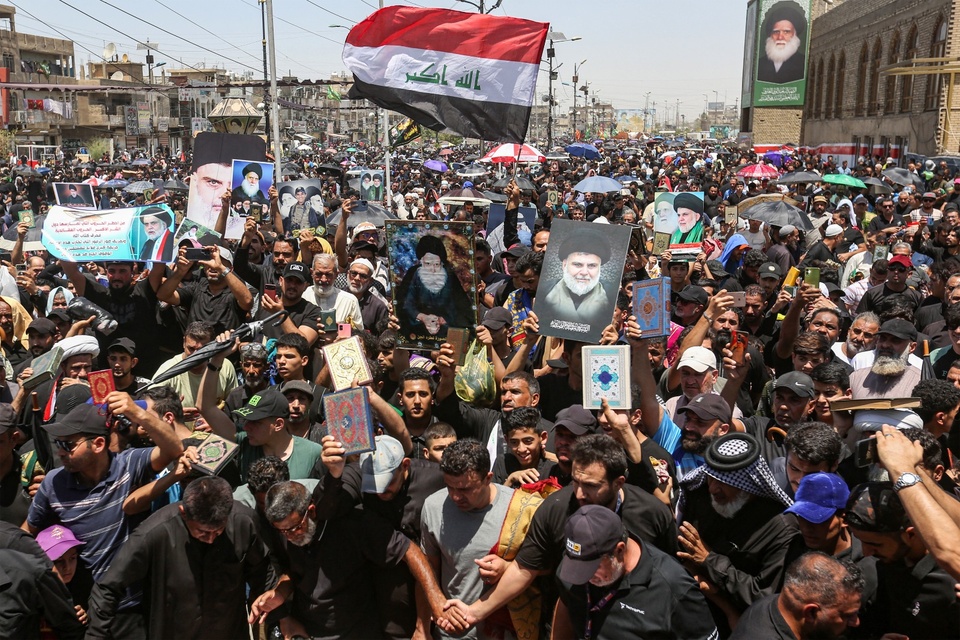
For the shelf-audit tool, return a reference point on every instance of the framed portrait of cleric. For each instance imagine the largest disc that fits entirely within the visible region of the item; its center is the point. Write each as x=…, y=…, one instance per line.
x=680, y=215
x=76, y=195
x=433, y=279
x=212, y=172
x=526, y=217
x=581, y=275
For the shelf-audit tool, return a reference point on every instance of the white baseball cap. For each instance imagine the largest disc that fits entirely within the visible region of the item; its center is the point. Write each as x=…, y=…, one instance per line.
x=832, y=230
x=379, y=466
x=698, y=358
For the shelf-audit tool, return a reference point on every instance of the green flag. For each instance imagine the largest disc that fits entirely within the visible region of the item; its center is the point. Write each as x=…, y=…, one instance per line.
x=404, y=133
x=332, y=93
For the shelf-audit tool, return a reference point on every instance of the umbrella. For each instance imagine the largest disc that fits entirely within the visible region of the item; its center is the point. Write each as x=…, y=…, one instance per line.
x=141, y=162
x=597, y=184
x=845, y=180
x=903, y=177
x=524, y=183
x=304, y=147
x=507, y=153
x=31, y=242
x=114, y=184
x=796, y=177
x=94, y=181
x=583, y=150
x=138, y=187
x=330, y=150
x=374, y=214
x=287, y=171
x=30, y=172
x=174, y=185
x=559, y=157
x=459, y=196
x=472, y=171
x=776, y=158
x=446, y=152
x=435, y=165
x=877, y=184
x=351, y=149
x=493, y=196
x=758, y=171
x=778, y=213
x=43, y=170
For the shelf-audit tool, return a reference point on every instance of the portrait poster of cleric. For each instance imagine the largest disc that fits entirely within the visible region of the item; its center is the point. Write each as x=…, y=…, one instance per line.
x=782, y=43
x=681, y=216
x=212, y=173
x=580, y=279
x=76, y=195
x=432, y=272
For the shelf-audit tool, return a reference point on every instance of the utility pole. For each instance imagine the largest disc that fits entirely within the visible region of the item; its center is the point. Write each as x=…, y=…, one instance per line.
x=277, y=155
x=266, y=95
x=576, y=79
x=646, y=112
x=550, y=54
x=716, y=102
x=677, y=117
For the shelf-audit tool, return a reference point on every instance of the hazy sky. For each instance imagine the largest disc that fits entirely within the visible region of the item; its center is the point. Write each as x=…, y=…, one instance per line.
x=674, y=50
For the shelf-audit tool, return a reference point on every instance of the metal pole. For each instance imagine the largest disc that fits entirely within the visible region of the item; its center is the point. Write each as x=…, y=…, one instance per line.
x=263, y=41
x=550, y=98
x=386, y=150
x=273, y=90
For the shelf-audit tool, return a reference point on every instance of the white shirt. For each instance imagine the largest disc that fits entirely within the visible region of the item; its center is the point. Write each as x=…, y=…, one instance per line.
x=344, y=303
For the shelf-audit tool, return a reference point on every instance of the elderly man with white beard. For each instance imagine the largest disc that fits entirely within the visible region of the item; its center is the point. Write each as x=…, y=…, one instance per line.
x=733, y=537
x=249, y=189
x=433, y=297
x=325, y=295
x=860, y=337
x=580, y=296
x=372, y=307
x=891, y=375
x=784, y=60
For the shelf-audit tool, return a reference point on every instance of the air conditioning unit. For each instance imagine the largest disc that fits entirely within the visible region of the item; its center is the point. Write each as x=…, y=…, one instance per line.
x=18, y=116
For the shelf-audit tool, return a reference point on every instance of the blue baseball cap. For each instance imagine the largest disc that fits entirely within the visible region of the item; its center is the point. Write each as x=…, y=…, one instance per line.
x=819, y=497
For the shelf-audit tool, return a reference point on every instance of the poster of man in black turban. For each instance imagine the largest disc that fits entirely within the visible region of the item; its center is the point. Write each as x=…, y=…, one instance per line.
x=580, y=279
x=434, y=287
x=252, y=180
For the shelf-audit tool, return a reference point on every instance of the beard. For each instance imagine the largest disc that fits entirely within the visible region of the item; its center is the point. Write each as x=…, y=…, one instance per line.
x=323, y=291
x=778, y=54
x=733, y=507
x=617, y=571
x=852, y=349
x=891, y=366
x=578, y=287
x=433, y=282
x=250, y=189
x=308, y=532
x=357, y=291
x=693, y=442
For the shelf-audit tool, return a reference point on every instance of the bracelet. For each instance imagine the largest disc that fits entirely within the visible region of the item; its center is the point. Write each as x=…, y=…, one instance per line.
x=226, y=272
x=213, y=368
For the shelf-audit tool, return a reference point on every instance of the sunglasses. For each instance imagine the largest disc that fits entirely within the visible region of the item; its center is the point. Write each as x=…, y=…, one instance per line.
x=297, y=527
x=897, y=269
x=68, y=446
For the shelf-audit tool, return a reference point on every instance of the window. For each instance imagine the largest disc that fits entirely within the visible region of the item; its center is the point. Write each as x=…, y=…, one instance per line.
x=828, y=99
x=873, y=95
x=838, y=93
x=818, y=98
x=893, y=56
x=938, y=49
x=861, y=79
x=906, y=86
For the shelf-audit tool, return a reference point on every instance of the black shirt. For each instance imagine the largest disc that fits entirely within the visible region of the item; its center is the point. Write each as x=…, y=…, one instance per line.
x=820, y=252
x=875, y=296
x=301, y=313
x=135, y=310
x=879, y=224
x=220, y=308
x=918, y=601
x=763, y=620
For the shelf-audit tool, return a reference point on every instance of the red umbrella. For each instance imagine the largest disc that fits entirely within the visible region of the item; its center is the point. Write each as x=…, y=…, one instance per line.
x=507, y=153
x=446, y=152
x=759, y=171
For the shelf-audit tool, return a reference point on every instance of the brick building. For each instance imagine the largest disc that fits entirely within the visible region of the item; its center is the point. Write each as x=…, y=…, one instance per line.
x=862, y=98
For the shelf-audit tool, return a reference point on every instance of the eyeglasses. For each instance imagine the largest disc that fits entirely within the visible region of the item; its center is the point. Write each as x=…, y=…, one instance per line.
x=68, y=446
x=298, y=527
x=357, y=274
x=897, y=269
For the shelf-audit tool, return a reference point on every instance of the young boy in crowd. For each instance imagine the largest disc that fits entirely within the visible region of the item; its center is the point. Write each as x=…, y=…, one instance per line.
x=438, y=437
x=525, y=463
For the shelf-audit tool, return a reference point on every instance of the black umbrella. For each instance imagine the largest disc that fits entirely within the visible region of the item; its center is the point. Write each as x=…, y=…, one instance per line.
x=375, y=214
x=30, y=172
x=876, y=184
x=903, y=177
x=780, y=214
x=797, y=177
x=330, y=169
x=31, y=242
x=493, y=196
x=522, y=182
x=174, y=185
x=7, y=187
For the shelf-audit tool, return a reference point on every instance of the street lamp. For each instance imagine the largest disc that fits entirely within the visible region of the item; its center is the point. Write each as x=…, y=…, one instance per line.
x=576, y=79
x=554, y=36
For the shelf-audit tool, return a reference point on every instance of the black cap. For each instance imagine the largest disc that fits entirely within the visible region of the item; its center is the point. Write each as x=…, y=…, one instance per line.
x=800, y=383
x=899, y=328
x=42, y=326
x=123, y=344
x=360, y=245
x=591, y=533
x=517, y=251
x=576, y=420
x=876, y=507
x=83, y=418
x=68, y=398
x=269, y=403
x=693, y=293
x=770, y=270
x=296, y=270
x=297, y=385
x=60, y=314
x=8, y=418
x=708, y=406
x=496, y=318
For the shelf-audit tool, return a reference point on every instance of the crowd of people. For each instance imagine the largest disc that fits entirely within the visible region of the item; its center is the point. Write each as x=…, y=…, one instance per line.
x=773, y=477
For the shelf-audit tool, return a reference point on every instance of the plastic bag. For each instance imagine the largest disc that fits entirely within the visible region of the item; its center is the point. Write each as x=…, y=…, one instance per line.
x=475, y=382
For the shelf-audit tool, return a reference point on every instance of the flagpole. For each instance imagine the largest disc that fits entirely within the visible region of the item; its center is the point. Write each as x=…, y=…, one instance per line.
x=274, y=107
x=386, y=148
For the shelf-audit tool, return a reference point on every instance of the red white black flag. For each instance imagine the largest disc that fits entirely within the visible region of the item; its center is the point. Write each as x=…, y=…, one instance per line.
x=471, y=73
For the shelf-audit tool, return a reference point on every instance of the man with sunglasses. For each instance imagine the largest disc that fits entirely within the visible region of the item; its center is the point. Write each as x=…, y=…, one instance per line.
x=888, y=220
x=89, y=489
x=898, y=269
x=359, y=278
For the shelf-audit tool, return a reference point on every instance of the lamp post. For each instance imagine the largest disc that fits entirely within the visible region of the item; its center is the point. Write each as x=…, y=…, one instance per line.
x=576, y=79
x=554, y=36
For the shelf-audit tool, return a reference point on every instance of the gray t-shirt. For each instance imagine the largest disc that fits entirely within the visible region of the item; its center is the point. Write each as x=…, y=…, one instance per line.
x=458, y=538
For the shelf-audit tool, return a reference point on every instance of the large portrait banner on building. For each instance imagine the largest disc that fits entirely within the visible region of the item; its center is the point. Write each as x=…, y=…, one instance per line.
x=783, y=40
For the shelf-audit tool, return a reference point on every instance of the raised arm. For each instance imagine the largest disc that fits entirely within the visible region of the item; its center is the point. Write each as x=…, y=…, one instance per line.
x=168, y=446
x=72, y=271
x=340, y=238
x=651, y=411
x=219, y=422
x=168, y=290
x=790, y=327
x=718, y=305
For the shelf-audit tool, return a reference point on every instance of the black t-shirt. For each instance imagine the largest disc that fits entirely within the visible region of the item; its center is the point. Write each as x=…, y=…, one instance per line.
x=874, y=297
x=851, y=236
x=820, y=252
x=135, y=310
x=879, y=224
x=555, y=395
x=301, y=313
x=942, y=365
x=220, y=308
x=763, y=620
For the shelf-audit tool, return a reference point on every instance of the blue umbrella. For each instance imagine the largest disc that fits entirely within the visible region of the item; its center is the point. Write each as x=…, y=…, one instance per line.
x=435, y=165
x=597, y=184
x=114, y=184
x=583, y=150
x=43, y=170
x=775, y=158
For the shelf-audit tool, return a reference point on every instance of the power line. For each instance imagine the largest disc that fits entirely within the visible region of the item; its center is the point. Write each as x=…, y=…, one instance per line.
x=204, y=29
x=333, y=13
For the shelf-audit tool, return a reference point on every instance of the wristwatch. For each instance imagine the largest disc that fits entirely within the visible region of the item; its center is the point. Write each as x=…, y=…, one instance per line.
x=906, y=480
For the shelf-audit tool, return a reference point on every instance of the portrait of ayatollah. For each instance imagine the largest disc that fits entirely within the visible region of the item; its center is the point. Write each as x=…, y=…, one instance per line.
x=580, y=295
x=431, y=296
x=783, y=55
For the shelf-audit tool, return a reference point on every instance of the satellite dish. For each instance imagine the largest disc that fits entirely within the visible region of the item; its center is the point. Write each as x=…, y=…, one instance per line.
x=109, y=51
x=117, y=75
x=545, y=97
x=125, y=58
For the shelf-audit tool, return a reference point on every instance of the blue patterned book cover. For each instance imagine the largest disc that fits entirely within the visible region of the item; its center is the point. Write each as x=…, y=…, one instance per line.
x=606, y=374
x=651, y=306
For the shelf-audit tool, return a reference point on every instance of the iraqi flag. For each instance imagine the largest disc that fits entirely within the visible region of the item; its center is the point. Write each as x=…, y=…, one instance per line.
x=471, y=73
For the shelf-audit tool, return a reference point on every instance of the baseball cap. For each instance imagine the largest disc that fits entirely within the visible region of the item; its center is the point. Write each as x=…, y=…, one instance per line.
x=903, y=261
x=517, y=251
x=870, y=420
x=876, y=507
x=770, y=270
x=61, y=314
x=693, y=293
x=819, y=496
x=225, y=255
x=362, y=227
x=123, y=344
x=57, y=540
x=43, y=326
x=269, y=403
x=787, y=229
x=496, y=318
x=929, y=195
x=899, y=328
x=698, y=358
x=360, y=245
x=822, y=199
x=576, y=420
x=378, y=467
x=297, y=385
x=708, y=406
x=8, y=418
x=296, y=270
x=800, y=383
x=83, y=418
x=833, y=230
x=591, y=533
x=860, y=198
